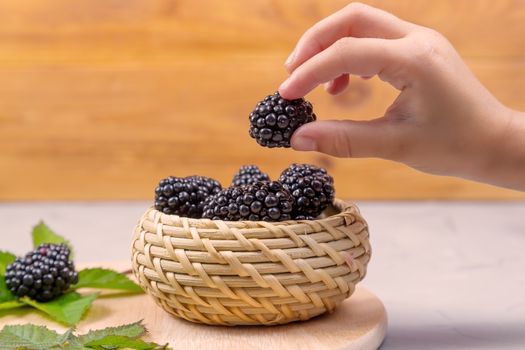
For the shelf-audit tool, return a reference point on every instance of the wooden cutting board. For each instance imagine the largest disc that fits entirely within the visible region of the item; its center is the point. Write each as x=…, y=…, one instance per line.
x=359, y=323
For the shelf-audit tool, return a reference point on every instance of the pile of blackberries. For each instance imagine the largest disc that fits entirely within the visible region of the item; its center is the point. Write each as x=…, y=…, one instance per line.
x=266, y=201
x=302, y=192
x=42, y=274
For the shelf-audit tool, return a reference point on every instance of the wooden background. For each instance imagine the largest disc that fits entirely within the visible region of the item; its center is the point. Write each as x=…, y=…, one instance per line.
x=100, y=99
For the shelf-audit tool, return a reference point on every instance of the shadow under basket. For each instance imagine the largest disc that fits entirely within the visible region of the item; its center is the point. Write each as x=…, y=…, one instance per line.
x=251, y=272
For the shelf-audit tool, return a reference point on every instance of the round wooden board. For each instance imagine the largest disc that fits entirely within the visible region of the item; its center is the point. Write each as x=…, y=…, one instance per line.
x=359, y=323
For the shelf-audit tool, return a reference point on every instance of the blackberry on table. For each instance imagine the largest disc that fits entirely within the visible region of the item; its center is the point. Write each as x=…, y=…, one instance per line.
x=275, y=119
x=184, y=196
x=42, y=274
x=311, y=187
x=248, y=175
x=262, y=201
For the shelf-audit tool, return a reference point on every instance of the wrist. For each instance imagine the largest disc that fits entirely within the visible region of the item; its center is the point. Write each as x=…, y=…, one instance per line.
x=504, y=164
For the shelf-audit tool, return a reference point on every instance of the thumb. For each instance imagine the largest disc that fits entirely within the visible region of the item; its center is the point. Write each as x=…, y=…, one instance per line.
x=348, y=138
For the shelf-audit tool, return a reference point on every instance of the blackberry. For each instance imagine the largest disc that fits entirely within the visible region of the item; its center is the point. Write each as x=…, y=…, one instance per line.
x=184, y=196
x=248, y=175
x=311, y=187
x=262, y=201
x=275, y=119
x=304, y=217
x=42, y=274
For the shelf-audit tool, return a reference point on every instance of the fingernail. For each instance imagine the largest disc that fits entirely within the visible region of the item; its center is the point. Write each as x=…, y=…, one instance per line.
x=290, y=58
x=301, y=143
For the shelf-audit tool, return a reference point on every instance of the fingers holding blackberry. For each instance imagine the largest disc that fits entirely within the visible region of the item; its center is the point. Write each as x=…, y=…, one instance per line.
x=444, y=121
x=349, y=55
x=349, y=138
x=356, y=20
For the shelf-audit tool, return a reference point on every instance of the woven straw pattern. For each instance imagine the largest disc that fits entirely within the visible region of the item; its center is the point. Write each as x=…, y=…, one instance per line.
x=250, y=273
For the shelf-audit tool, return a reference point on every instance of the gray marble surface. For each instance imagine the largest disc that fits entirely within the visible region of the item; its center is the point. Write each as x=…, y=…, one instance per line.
x=451, y=274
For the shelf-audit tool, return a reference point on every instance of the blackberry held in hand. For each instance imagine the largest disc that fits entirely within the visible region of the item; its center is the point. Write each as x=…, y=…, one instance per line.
x=275, y=119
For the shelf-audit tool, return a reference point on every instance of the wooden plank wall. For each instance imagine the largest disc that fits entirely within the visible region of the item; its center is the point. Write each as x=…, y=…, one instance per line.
x=100, y=99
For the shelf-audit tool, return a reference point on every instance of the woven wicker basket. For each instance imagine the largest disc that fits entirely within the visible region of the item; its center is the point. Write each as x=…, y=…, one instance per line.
x=247, y=272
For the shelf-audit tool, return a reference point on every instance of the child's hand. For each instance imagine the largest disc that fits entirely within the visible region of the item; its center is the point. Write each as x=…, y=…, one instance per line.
x=443, y=121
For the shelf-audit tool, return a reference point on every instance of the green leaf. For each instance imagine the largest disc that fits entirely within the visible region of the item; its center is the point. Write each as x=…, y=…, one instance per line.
x=73, y=343
x=68, y=309
x=74, y=346
x=5, y=294
x=33, y=337
x=13, y=304
x=71, y=346
x=30, y=337
x=133, y=330
x=43, y=234
x=121, y=342
x=106, y=279
x=6, y=258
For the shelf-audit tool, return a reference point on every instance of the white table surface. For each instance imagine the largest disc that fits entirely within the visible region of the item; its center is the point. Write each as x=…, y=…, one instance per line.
x=451, y=274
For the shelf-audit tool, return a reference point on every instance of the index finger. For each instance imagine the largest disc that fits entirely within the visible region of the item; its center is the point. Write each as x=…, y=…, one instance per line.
x=356, y=20
x=364, y=57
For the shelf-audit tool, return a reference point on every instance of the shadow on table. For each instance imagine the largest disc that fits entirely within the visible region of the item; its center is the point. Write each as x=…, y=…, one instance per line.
x=456, y=336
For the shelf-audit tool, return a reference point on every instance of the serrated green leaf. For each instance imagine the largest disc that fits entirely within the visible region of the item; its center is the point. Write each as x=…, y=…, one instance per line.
x=68, y=309
x=133, y=331
x=43, y=234
x=29, y=337
x=13, y=304
x=68, y=335
x=5, y=294
x=33, y=337
x=106, y=279
x=76, y=347
x=6, y=258
x=73, y=343
x=120, y=342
